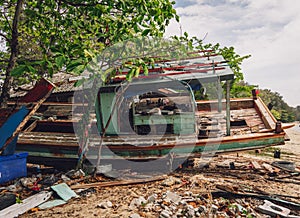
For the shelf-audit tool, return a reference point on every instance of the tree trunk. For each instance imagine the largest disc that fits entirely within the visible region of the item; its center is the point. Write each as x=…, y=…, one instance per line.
x=13, y=55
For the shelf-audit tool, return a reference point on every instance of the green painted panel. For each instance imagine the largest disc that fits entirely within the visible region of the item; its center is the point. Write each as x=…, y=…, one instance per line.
x=182, y=123
x=107, y=102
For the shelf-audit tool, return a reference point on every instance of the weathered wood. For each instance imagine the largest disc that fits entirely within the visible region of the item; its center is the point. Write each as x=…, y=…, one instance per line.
x=26, y=119
x=31, y=202
x=268, y=167
x=256, y=165
x=119, y=183
x=31, y=127
x=266, y=115
x=228, y=108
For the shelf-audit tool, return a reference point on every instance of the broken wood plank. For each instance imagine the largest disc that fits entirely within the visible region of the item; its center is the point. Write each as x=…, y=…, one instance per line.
x=119, y=183
x=229, y=195
x=269, y=208
x=256, y=165
x=268, y=167
x=44, y=94
x=31, y=127
x=72, y=182
x=31, y=202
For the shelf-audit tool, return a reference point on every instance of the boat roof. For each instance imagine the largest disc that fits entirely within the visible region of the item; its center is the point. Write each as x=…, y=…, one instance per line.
x=193, y=70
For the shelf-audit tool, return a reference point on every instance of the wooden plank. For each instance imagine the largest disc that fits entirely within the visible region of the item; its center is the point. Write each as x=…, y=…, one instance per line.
x=119, y=183
x=53, y=103
x=256, y=165
x=266, y=115
x=31, y=127
x=268, y=167
x=20, y=208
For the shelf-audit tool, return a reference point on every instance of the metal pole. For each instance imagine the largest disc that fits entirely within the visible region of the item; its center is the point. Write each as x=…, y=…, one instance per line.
x=228, y=107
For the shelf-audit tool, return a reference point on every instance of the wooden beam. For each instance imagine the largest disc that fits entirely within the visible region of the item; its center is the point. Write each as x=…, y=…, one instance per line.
x=19, y=208
x=228, y=108
x=267, y=117
x=119, y=183
x=31, y=127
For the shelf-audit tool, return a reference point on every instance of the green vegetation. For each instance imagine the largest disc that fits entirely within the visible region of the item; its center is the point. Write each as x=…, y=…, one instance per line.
x=279, y=108
x=45, y=36
x=42, y=37
x=297, y=113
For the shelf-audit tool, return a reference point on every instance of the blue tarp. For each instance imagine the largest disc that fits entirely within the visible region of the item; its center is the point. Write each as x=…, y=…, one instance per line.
x=8, y=128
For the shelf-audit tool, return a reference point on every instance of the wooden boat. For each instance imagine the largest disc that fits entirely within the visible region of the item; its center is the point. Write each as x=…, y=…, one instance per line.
x=157, y=118
x=13, y=119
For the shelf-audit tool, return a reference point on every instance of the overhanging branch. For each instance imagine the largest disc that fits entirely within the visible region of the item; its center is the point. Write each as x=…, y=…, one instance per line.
x=5, y=37
x=80, y=4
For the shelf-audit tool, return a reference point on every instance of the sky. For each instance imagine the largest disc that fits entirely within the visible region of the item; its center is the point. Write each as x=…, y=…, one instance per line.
x=268, y=30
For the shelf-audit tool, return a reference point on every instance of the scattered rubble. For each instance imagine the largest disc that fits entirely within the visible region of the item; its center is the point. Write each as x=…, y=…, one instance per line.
x=252, y=188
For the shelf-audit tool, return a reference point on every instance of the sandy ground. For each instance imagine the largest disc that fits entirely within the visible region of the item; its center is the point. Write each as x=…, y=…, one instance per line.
x=207, y=179
x=293, y=146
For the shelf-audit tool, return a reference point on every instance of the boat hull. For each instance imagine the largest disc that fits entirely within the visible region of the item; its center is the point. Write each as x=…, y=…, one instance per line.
x=66, y=155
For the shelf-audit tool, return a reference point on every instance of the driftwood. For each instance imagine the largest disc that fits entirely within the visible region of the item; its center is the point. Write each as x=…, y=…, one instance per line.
x=119, y=183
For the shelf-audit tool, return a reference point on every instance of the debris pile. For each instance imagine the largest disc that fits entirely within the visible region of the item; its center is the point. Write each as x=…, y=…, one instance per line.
x=227, y=186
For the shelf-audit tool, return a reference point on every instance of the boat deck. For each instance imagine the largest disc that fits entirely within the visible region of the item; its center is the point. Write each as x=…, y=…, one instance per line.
x=250, y=124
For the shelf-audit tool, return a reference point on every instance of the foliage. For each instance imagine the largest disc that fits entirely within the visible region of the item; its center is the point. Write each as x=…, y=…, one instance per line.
x=297, y=113
x=241, y=90
x=229, y=53
x=67, y=34
x=279, y=108
x=234, y=60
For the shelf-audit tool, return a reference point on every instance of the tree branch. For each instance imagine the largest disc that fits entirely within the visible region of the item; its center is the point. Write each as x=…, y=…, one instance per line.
x=7, y=21
x=5, y=37
x=79, y=4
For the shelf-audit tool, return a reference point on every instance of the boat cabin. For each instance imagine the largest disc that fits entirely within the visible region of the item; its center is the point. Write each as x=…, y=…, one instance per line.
x=162, y=102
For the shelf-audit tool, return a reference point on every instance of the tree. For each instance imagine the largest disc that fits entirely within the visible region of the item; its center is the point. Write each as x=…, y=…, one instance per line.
x=280, y=109
x=67, y=34
x=238, y=87
x=12, y=40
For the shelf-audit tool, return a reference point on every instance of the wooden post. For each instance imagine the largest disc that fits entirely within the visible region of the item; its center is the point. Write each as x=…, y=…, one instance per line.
x=219, y=89
x=278, y=127
x=228, y=107
x=254, y=94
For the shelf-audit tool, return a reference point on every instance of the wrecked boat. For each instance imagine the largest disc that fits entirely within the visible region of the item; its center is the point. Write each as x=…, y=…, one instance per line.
x=14, y=118
x=155, y=116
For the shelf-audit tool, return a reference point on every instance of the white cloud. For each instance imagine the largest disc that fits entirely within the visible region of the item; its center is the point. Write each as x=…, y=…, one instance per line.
x=269, y=30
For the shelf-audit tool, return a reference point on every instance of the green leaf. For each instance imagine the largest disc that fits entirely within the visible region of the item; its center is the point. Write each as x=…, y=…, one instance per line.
x=73, y=64
x=146, y=32
x=78, y=69
x=137, y=72
x=79, y=82
x=130, y=74
x=146, y=70
x=19, y=70
x=30, y=69
x=60, y=60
